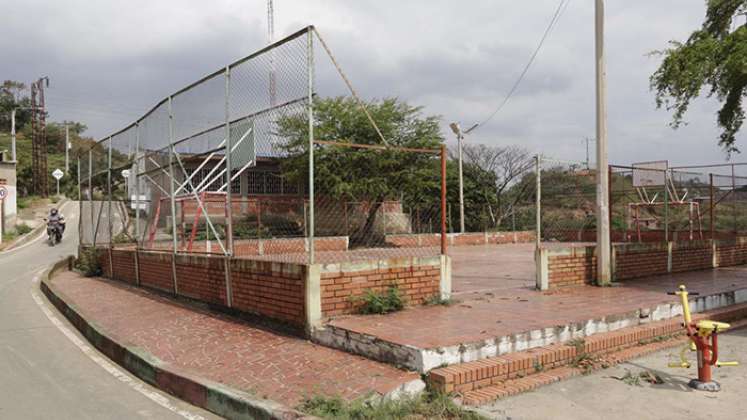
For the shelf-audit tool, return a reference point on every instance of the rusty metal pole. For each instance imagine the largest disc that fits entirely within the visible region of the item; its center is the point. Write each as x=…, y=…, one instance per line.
x=712, y=207
x=443, y=199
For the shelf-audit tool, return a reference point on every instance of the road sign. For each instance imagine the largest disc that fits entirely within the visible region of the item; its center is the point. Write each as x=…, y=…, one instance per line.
x=126, y=173
x=58, y=174
x=3, y=193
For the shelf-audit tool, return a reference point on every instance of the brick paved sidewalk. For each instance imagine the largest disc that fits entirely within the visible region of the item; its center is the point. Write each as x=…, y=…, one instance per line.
x=481, y=315
x=224, y=350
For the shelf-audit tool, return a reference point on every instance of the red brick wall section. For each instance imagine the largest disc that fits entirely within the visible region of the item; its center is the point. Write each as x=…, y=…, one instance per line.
x=342, y=287
x=640, y=260
x=156, y=271
x=103, y=257
x=729, y=253
x=270, y=289
x=202, y=278
x=692, y=256
x=571, y=267
x=124, y=265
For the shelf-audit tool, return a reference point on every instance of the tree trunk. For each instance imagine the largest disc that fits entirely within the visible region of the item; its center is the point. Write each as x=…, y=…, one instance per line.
x=365, y=236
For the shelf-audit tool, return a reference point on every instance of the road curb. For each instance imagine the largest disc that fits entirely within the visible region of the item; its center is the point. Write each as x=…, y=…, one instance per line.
x=216, y=398
x=23, y=240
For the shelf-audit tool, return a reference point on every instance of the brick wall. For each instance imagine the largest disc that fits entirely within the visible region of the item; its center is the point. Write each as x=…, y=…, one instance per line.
x=342, y=285
x=123, y=262
x=577, y=265
x=640, y=260
x=201, y=277
x=249, y=247
x=155, y=270
x=458, y=239
x=729, y=253
x=692, y=256
x=102, y=254
x=272, y=289
x=571, y=267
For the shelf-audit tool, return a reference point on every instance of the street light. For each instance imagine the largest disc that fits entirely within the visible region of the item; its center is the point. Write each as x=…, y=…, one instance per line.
x=460, y=136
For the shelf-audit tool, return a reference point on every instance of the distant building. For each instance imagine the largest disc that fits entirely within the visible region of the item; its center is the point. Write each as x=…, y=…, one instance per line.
x=8, y=182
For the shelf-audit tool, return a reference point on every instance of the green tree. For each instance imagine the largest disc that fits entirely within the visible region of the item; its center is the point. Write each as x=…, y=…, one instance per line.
x=713, y=57
x=12, y=96
x=365, y=175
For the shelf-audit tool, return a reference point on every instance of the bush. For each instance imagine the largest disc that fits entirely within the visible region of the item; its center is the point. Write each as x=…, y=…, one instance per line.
x=23, y=228
x=88, y=262
x=382, y=303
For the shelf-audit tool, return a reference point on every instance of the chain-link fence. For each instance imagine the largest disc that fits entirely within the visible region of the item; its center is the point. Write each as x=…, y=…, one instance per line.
x=223, y=166
x=568, y=201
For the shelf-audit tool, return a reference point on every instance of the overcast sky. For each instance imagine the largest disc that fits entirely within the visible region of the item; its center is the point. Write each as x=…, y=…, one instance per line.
x=110, y=61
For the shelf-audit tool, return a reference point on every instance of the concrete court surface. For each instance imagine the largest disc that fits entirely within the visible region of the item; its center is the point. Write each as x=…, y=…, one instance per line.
x=43, y=373
x=599, y=396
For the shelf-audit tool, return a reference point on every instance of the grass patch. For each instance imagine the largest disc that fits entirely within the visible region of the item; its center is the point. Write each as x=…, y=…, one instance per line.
x=428, y=405
x=23, y=228
x=382, y=303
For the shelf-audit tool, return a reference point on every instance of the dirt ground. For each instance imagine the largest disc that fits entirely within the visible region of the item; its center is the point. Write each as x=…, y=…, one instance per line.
x=599, y=395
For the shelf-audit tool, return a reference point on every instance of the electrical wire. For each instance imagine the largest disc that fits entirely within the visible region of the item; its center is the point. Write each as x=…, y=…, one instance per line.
x=556, y=16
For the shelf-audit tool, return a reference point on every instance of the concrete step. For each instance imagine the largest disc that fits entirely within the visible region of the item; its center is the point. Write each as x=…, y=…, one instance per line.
x=484, y=380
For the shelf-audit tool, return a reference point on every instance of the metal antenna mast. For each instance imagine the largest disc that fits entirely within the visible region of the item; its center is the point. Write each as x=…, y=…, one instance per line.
x=39, y=138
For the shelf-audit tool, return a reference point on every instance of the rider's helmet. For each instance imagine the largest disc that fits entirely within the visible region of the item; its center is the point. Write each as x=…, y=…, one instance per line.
x=53, y=212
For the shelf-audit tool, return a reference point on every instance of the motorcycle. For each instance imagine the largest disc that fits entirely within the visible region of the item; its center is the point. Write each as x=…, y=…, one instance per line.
x=54, y=232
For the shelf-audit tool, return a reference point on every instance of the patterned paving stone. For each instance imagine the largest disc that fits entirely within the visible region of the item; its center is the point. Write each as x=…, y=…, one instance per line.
x=221, y=349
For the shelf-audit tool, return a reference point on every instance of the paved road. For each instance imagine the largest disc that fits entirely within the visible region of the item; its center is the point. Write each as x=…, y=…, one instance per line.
x=47, y=370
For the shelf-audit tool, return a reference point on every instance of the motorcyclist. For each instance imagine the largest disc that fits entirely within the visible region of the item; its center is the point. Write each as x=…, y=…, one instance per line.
x=56, y=217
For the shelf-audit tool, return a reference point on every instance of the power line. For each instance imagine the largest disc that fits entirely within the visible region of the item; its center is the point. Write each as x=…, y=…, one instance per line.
x=556, y=16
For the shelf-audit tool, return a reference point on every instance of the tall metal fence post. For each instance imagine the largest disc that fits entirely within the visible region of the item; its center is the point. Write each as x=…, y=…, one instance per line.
x=734, y=200
x=229, y=166
x=172, y=197
x=666, y=206
x=710, y=176
x=136, y=177
x=310, y=86
x=443, y=199
x=229, y=192
x=110, y=224
x=90, y=192
x=538, y=203
x=80, y=208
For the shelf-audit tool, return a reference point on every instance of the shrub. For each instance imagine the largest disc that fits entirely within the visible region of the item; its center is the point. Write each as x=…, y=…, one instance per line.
x=88, y=262
x=382, y=303
x=23, y=228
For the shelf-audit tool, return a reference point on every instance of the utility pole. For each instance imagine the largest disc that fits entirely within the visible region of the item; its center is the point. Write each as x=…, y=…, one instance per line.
x=67, y=148
x=13, y=134
x=460, y=137
x=603, y=221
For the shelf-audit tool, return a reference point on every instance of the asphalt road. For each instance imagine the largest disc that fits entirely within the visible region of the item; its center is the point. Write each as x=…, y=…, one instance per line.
x=46, y=369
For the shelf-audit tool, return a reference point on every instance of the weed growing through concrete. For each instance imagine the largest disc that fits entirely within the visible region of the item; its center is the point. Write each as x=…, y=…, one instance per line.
x=538, y=367
x=382, y=303
x=635, y=379
x=438, y=300
x=428, y=405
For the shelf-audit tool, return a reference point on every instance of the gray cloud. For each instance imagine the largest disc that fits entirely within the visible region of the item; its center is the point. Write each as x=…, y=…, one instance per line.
x=111, y=61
